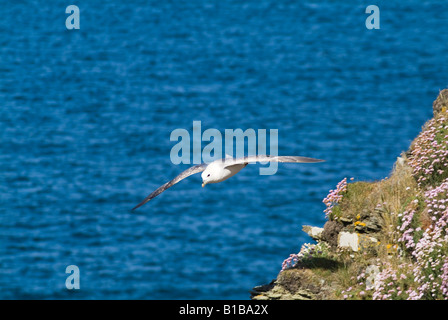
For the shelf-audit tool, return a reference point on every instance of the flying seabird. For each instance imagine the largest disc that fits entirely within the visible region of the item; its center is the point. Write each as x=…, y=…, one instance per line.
x=222, y=169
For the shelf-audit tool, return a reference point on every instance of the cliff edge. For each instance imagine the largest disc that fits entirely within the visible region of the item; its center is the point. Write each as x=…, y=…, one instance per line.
x=382, y=240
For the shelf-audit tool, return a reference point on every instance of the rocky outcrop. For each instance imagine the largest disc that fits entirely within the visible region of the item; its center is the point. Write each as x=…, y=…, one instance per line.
x=311, y=281
x=293, y=284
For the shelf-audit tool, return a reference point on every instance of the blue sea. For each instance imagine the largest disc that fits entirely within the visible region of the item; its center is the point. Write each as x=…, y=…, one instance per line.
x=86, y=116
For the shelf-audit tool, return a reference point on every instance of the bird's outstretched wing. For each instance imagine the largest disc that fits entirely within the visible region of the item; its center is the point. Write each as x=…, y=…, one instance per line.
x=268, y=158
x=183, y=175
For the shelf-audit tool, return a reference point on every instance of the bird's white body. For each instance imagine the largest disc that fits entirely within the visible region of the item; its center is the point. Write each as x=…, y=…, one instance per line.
x=218, y=171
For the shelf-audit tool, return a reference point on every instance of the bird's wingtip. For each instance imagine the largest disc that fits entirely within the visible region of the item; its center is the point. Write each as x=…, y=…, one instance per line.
x=146, y=200
x=136, y=207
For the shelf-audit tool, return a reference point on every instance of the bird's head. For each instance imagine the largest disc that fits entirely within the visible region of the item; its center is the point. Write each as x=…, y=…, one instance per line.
x=208, y=176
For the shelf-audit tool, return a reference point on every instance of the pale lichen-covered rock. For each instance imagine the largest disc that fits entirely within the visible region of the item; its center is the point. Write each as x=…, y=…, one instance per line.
x=355, y=241
x=313, y=232
x=371, y=273
x=348, y=240
x=367, y=242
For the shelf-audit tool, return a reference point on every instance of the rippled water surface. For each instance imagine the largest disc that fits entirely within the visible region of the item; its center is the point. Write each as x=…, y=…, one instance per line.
x=86, y=117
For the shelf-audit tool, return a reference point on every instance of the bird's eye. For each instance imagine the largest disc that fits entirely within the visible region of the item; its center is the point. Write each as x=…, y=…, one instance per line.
x=208, y=175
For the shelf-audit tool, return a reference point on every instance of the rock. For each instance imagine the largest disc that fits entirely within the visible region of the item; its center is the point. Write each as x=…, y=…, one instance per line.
x=346, y=220
x=356, y=241
x=367, y=242
x=274, y=295
x=373, y=225
x=313, y=232
x=278, y=292
x=348, y=240
x=361, y=227
x=371, y=273
x=263, y=288
x=441, y=103
x=293, y=284
x=260, y=297
x=303, y=295
x=372, y=221
x=331, y=232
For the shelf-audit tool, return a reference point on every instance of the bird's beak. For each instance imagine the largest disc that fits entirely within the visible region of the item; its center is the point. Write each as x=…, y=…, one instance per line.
x=203, y=184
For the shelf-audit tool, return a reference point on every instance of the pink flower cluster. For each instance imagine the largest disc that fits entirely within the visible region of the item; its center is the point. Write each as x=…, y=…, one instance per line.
x=436, y=200
x=290, y=262
x=430, y=268
x=444, y=278
x=429, y=155
x=427, y=244
x=307, y=251
x=430, y=262
x=334, y=197
x=389, y=283
x=406, y=231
